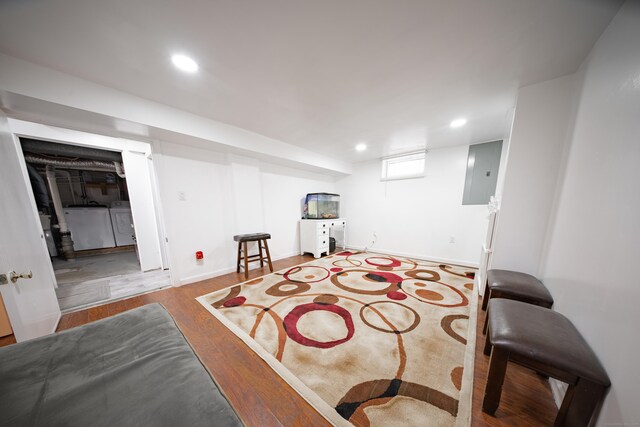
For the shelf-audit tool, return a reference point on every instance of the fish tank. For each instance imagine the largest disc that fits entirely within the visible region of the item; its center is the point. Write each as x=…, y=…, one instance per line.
x=322, y=206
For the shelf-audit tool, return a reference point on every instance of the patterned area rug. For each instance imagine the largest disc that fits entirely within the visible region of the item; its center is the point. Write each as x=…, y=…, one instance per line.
x=367, y=339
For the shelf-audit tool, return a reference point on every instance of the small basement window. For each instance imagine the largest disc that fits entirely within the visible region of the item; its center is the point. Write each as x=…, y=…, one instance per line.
x=403, y=167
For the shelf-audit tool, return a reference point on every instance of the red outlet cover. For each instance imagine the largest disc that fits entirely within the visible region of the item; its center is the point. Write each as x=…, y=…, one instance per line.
x=199, y=255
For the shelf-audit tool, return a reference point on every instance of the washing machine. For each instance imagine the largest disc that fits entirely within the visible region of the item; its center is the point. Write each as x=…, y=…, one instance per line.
x=122, y=223
x=90, y=227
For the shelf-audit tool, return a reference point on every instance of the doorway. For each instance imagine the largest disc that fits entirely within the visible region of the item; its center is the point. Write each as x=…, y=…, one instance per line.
x=86, y=198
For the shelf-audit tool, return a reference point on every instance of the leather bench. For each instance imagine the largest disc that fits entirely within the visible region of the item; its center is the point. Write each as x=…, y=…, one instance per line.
x=516, y=286
x=547, y=342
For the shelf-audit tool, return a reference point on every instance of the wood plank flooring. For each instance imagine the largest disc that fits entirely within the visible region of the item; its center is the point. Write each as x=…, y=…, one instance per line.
x=262, y=398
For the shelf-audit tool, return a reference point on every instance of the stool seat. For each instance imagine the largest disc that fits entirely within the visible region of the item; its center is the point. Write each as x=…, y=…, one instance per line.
x=547, y=342
x=545, y=336
x=251, y=237
x=522, y=286
x=243, y=253
x=516, y=286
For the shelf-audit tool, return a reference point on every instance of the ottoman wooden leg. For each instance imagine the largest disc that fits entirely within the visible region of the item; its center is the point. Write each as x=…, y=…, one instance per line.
x=487, y=346
x=486, y=322
x=486, y=296
x=579, y=403
x=495, y=379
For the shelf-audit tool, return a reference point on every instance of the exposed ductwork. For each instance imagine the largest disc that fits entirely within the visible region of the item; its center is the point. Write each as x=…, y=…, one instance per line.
x=94, y=165
x=119, y=169
x=68, y=150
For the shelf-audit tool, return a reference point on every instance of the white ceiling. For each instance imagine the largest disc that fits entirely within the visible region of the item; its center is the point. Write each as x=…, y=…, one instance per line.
x=324, y=75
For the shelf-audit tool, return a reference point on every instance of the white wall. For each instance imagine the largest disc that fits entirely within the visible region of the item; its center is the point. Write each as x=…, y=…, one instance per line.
x=543, y=115
x=226, y=195
x=415, y=217
x=590, y=265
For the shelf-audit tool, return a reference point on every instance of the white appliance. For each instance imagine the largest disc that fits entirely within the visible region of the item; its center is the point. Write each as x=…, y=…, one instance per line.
x=122, y=223
x=45, y=220
x=90, y=228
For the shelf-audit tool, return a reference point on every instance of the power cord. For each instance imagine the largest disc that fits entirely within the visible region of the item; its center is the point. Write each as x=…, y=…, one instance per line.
x=373, y=242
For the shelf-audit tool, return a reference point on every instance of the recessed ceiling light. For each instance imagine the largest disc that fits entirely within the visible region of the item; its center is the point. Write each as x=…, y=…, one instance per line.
x=361, y=147
x=458, y=123
x=184, y=63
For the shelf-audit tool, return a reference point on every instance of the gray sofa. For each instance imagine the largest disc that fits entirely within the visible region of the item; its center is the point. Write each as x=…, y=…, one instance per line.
x=135, y=368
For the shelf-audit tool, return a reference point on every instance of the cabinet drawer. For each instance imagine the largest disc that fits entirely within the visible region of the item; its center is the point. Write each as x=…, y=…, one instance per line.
x=323, y=242
x=323, y=232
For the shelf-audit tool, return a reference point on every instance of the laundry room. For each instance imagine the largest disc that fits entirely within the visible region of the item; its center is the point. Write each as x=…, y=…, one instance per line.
x=83, y=201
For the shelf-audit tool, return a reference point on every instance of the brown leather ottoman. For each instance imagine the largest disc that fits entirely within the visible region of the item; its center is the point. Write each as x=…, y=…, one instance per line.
x=547, y=342
x=516, y=286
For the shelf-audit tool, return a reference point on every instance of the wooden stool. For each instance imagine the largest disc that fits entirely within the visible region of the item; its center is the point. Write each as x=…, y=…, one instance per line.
x=547, y=342
x=515, y=286
x=243, y=255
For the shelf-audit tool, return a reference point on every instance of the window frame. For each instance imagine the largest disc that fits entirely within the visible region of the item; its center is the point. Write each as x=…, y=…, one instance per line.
x=400, y=158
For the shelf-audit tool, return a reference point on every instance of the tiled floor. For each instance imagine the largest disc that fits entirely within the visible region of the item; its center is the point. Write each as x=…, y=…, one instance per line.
x=85, y=268
x=97, y=279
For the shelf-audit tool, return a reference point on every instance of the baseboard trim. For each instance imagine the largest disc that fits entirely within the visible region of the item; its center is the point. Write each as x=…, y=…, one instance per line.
x=211, y=274
x=462, y=263
x=558, y=389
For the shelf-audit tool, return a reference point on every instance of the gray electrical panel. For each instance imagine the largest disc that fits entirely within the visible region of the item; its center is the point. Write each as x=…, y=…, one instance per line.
x=482, y=173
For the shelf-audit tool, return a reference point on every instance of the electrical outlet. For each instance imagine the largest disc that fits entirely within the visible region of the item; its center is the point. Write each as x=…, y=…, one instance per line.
x=452, y=239
x=182, y=196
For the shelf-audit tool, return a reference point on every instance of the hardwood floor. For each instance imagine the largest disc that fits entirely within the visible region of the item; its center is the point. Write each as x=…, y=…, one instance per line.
x=262, y=398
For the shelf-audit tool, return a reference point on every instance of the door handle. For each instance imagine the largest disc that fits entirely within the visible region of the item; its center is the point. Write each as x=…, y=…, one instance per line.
x=13, y=276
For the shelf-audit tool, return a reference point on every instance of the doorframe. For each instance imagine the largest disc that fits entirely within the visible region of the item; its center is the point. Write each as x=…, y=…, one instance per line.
x=26, y=129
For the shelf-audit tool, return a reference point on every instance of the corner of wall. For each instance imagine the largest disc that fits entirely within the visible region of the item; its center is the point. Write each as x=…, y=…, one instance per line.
x=578, y=79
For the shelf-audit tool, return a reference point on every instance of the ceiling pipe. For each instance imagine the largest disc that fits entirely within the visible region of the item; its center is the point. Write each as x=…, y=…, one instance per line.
x=91, y=165
x=119, y=169
x=65, y=235
x=68, y=150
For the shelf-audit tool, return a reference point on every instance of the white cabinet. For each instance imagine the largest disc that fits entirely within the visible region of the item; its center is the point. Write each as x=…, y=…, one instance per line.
x=315, y=233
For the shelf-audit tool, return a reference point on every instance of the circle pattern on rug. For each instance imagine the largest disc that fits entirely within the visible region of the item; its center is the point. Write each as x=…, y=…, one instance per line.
x=326, y=299
x=364, y=282
x=435, y=293
x=306, y=274
x=387, y=310
x=428, y=275
x=286, y=288
x=399, y=307
x=291, y=324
